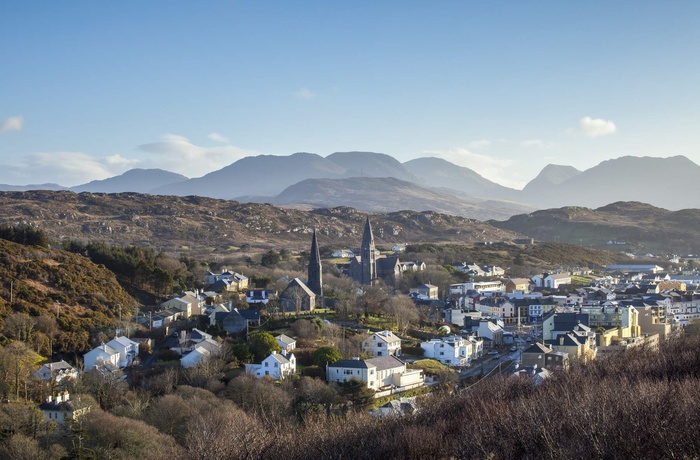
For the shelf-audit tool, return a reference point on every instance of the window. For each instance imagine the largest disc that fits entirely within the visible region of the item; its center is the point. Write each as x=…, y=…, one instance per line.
x=347, y=372
x=267, y=372
x=277, y=365
x=267, y=364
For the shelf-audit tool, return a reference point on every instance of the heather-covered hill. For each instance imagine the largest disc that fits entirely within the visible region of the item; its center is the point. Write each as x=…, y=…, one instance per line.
x=79, y=294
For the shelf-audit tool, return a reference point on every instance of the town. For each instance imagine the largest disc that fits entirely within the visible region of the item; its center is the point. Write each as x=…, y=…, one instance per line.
x=368, y=341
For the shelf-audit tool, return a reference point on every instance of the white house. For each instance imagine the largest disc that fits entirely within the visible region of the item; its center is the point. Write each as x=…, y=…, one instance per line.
x=382, y=343
x=119, y=352
x=277, y=366
x=491, y=331
x=452, y=351
x=286, y=343
x=385, y=372
x=57, y=372
x=201, y=352
x=127, y=348
x=103, y=358
x=60, y=408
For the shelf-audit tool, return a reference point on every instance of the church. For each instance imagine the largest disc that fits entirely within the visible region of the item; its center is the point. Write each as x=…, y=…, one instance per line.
x=305, y=296
x=368, y=267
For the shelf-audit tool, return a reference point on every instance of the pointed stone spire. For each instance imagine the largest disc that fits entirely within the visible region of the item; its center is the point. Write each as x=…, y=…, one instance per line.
x=315, y=279
x=369, y=264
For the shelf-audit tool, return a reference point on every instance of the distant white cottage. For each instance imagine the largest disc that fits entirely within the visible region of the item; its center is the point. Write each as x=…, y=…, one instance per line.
x=277, y=366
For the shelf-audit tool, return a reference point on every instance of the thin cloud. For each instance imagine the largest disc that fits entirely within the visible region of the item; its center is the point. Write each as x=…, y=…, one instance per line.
x=12, y=124
x=64, y=168
x=536, y=143
x=218, y=138
x=480, y=144
x=596, y=127
x=178, y=154
x=304, y=93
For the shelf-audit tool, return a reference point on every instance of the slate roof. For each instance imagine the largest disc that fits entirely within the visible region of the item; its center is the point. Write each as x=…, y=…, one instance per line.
x=285, y=339
x=385, y=362
x=350, y=363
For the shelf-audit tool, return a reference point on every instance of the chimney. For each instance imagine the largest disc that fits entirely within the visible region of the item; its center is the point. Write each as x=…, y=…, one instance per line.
x=49, y=399
x=561, y=340
x=274, y=352
x=355, y=358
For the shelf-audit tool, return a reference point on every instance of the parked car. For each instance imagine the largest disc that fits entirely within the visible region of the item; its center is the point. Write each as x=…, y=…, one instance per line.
x=493, y=352
x=496, y=357
x=513, y=349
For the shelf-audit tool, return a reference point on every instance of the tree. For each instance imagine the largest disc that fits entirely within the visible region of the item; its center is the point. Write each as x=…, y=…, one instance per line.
x=20, y=326
x=325, y=355
x=270, y=259
x=261, y=344
x=16, y=367
x=358, y=394
x=403, y=310
x=312, y=396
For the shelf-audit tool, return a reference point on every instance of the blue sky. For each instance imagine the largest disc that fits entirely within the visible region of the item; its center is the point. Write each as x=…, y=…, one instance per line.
x=89, y=89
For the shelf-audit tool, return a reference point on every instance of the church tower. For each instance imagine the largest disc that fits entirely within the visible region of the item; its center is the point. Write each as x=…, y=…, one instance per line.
x=315, y=278
x=369, y=264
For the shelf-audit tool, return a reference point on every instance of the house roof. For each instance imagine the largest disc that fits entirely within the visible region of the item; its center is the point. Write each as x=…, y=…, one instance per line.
x=285, y=339
x=57, y=366
x=279, y=357
x=386, y=362
x=559, y=276
x=519, y=281
x=196, y=334
x=250, y=315
x=121, y=340
x=300, y=283
x=351, y=363
x=537, y=348
x=386, y=336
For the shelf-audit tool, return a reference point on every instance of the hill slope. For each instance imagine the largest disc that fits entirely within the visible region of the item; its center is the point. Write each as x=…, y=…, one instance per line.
x=641, y=227
x=134, y=180
x=669, y=183
x=385, y=195
x=206, y=224
x=82, y=296
x=370, y=164
x=436, y=172
x=264, y=175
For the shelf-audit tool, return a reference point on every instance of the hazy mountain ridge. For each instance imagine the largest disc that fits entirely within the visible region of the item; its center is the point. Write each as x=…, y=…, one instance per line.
x=134, y=180
x=436, y=172
x=664, y=182
x=388, y=194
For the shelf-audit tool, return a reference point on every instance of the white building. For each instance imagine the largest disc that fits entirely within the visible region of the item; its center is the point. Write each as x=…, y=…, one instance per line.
x=119, y=352
x=286, y=343
x=382, y=343
x=202, y=351
x=277, y=366
x=451, y=351
x=56, y=372
x=385, y=372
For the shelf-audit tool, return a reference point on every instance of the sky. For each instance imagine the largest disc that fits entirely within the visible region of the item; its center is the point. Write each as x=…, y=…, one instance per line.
x=90, y=89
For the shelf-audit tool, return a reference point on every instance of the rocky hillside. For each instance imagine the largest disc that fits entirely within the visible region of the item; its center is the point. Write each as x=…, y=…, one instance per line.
x=204, y=225
x=621, y=226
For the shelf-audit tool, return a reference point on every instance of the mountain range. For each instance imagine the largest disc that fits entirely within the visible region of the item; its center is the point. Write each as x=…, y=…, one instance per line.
x=377, y=182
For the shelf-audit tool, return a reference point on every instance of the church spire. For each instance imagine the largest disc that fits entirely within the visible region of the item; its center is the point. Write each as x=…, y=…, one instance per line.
x=315, y=278
x=368, y=258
